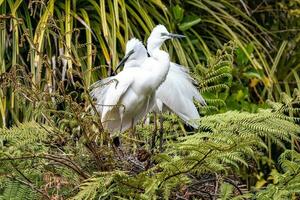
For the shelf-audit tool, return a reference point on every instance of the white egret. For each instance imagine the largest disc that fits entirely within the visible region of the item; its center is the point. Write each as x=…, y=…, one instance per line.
x=177, y=92
x=135, y=55
x=123, y=103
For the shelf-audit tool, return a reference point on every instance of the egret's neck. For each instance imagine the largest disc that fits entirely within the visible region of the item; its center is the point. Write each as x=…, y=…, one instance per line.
x=131, y=63
x=153, y=45
x=164, y=63
x=136, y=60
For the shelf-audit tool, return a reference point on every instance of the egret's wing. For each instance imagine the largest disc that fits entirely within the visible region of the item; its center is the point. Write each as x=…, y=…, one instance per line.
x=99, y=90
x=177, y=93
x=182, y=74
x=115, y=92
x=174, y=100
x=158, y=105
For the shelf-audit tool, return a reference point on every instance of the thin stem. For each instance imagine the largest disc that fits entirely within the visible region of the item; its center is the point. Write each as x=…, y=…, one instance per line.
x=188, y=170
x=58, y=159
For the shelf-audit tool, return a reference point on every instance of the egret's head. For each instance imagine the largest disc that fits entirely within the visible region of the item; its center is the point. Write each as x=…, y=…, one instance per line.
x=135, y=49
x=135, y=53
x=157, y=37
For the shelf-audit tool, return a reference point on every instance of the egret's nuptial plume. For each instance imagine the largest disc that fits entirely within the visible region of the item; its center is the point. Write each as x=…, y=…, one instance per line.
x=177, y=93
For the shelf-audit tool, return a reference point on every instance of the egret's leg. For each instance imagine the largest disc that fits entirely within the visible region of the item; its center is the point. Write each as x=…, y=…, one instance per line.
x=134, y=136
x=121, y=121
x=132, y=127
x=121, y=127
x=117, y=139
x=161, y=132
x=154, y=134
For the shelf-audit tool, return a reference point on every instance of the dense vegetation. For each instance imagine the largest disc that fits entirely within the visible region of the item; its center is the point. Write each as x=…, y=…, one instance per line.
x=243, y=53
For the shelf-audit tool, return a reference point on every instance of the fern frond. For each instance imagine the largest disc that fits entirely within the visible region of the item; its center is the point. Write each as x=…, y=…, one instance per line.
x=27, y=132
x=16, y=191
x=287, y=184
x=218, y=87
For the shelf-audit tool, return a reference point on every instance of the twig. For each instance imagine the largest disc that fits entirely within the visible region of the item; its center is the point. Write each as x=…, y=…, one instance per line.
x=54, y=158
x=188, y=170
x=234, y=185
x=19, y=171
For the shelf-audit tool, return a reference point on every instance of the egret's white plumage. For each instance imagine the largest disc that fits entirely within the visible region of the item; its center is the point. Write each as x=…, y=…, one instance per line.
x=177, y=92
x=131, y=94
x=139, y=55
x=125, y=101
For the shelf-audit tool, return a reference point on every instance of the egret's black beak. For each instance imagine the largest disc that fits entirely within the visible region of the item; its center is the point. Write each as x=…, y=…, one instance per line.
x=173, y=35
x=124, y=59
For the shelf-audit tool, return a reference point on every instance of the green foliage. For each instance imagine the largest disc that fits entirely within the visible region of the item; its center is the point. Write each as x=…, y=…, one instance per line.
x=69, y=147
x=225, y=144
x=286, y=184
x=50, y=142
x=24, y=135
x=16, y=191
x=215, y=79
x=58, y=40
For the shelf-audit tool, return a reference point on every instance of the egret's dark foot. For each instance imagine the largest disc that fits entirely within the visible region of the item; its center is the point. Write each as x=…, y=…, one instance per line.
x=116, y=141
x=189, y=128
x=117, y=146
